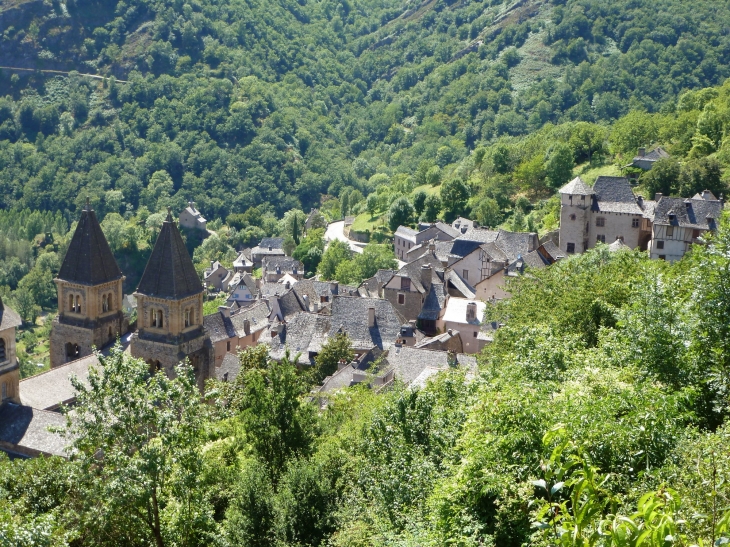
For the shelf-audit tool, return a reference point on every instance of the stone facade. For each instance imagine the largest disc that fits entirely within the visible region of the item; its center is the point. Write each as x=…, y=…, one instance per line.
x=89, y=317
x=9, y=370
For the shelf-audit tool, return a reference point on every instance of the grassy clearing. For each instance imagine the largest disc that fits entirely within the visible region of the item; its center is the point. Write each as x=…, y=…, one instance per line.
x=589, y=173
x=32, y=347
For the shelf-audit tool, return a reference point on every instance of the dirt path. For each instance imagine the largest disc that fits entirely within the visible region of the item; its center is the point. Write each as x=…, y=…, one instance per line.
x=62, y=72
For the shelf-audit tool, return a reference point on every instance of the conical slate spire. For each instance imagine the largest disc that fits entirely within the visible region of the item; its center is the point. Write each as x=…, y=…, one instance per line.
x=89, y=260
x=170, y=272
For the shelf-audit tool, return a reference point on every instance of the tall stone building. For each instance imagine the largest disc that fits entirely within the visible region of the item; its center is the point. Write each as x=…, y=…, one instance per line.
x=9, y=370
x=170, y=309
x=89, y=286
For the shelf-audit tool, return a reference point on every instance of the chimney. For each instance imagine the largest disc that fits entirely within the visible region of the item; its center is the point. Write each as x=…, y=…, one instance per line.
x=270, y=249
x=471, y=311
x=426, y=276
x=432, y=246
x=212, y=264
x=642, y=152
x=278, y=270
x=287, y=285
x=450, y=333
x=451, y=358
x=246, y=327
x=315, y=306
x=640, y=200
x=371, y=317
x=225, y=311
x=658, y=196
x=334, y=287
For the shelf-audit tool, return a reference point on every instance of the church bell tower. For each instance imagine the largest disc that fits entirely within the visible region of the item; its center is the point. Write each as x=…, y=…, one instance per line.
x=170, y=309
x=89, y=286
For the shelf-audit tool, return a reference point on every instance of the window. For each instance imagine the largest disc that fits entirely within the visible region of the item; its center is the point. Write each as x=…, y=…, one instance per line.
x=228, y=346
x=405, y=284
x=601, y=238
x=662, y=257
x=109, y=334
x=695, y=234
x=660, y=244
x=2, y=350
x=323, y=299
x=570, y=247
x=78, y=304
x=670, y=231
x=572, y=217
x=401, y=298
x=159, y=318
x=187, y=317
x=600, y=221
x=104, y=304
x=582, y=198
x=475, y=334
x=635, y=222
x=71, y=303
x=465, y=274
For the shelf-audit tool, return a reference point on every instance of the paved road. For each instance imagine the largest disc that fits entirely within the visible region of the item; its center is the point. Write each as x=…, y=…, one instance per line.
x=64, y=72
x=336, y=230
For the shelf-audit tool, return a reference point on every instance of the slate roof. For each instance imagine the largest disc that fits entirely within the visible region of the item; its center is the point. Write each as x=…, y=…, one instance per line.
x=614, y=195
x=271, y=288
x=49, y=390
x=577, y=187
x=8, y=317
x=690, y=213
x=535, y=260
x=218, y=327
x=438, y=341
x=657, y=154
x=412, y=270
x=273, y=242
x=481, y=235
x=406, y=233
x=285, y=263
x=706, y=195
x=349, y=314
x=289, y=304
x=555, y=252
x=26, y=427
x=434, y=302
x=514, y=244
x=459, y=284
x=229, y=368
x=448, y=230
x=647, y=208
x=243, y=259
x=170, y=272
x=303, y=334
x=257, y=315
x=89, y=260
x=618, y=245
x=409, y=363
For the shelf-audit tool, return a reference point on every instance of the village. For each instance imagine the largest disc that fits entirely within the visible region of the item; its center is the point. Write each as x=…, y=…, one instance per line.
x=405, y=324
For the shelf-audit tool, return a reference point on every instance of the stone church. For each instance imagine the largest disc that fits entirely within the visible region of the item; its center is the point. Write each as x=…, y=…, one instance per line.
x=169, y=302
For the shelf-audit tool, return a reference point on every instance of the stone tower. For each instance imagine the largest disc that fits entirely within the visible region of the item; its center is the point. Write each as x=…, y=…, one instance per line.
x=9, y=373
x=576, y=199
x=170, y=309
x=89, y=287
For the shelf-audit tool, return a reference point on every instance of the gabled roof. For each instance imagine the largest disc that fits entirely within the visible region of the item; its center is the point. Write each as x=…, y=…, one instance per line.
x=577, y=187
x=448, y=230
x=229, y=368
x=459, y=284
x=618, y=245
x=8, y=317
x=350, y=314
x=657, y=154
x=412, y=270
x=706, y=195
x=273, y=242
x=170, y=272
x=218, y=327
x=89, y=260
x=409, y=363
x=49, y=390
x=284, y=263
x=482, y=235
x=514, y=244
x=406, y=233
x=257, y=316
x=614, y=195
x=690, y=213
x=27, y=428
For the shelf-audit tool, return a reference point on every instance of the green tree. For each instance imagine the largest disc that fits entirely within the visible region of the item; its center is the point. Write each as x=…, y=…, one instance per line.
x=372, y=204
x=25, y=305
x=663, y=177
x=454, y=197
x=559, y=165
x=400, y=213
x=634, y=130
x=419, y=202
x=336, y=349
x=310, y=249
x=432, y=208
x=136, y=440
x=337, y=252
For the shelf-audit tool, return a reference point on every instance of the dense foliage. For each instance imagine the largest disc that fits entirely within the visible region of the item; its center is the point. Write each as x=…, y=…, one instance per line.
x=597, y=417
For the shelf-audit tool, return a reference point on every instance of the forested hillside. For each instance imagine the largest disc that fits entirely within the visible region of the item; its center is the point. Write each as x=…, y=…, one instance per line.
x=280, y=103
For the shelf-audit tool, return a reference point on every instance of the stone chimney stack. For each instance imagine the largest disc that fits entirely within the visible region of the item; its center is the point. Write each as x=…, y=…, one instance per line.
x=471, y=311
x=246, y=327
x=426, y=276
x=642, y=152
x=658, y=196
x=371, y=317
x=334, y=287
x=306, y=301
x=225, y=311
